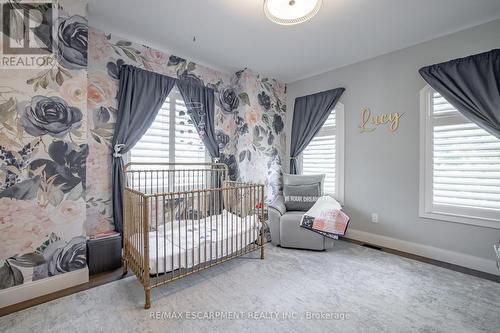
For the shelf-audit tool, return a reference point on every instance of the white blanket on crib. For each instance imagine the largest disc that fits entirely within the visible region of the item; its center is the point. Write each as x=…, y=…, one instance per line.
x=193, y=242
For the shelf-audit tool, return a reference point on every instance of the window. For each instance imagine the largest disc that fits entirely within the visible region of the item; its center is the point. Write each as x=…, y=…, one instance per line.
x=460, y=166
x=172, y=138
x=325, y=154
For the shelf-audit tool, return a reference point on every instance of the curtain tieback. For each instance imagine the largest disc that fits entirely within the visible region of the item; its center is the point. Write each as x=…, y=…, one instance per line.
x=293, y=158
x=117, y=148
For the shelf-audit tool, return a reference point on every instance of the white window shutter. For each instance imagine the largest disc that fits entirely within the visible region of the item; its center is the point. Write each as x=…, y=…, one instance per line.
x=172, y=138
x=466, y=160
x=319, y=157
x=153, y=147
x=188, y=146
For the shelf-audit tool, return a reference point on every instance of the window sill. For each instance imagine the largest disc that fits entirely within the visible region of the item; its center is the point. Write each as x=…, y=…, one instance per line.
x=479, y=222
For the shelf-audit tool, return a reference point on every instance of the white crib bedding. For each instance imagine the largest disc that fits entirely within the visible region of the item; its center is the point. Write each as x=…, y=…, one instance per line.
x=213, y=232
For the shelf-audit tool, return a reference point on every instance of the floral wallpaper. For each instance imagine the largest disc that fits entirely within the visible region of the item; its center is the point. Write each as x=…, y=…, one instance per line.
x=56, y=126
x=250, y=113
x=260, y=139
x=43, y=149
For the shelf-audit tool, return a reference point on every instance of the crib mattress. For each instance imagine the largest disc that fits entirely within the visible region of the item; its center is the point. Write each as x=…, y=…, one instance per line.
x=190, y=241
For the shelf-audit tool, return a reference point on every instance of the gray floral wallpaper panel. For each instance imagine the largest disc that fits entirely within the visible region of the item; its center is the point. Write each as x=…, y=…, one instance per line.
x=43, y=149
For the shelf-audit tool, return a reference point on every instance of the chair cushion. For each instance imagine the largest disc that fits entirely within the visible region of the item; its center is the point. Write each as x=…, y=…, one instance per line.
x=301, y=192
x=292, y=235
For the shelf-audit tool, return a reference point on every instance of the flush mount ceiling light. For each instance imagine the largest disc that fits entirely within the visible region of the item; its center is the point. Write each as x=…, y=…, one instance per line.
x=290, y=12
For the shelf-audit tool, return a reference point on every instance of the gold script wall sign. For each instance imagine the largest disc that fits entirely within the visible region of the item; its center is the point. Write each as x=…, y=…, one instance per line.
x=370, y=123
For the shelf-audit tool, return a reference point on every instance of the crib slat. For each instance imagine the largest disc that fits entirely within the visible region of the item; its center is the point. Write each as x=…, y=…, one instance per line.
x=244, y=231
x=199, y=232
x=164, y=235
x=232, y=221
x=235, y=192
x=217, y=230
x=212, y=206
x=255, y=218
x=192, y=232
x=180, y=244
x=156, y=233
x=205, y=227
x=172, y=237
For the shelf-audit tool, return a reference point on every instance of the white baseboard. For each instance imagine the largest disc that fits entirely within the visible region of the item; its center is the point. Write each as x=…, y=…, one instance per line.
x=39, y=288
x=457, y=258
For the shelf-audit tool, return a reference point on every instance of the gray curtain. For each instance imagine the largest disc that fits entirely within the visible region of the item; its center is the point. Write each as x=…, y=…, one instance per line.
x=140, y=96
x=199, y=101
x=472, y=86
x=309, y=114
x=200, y=104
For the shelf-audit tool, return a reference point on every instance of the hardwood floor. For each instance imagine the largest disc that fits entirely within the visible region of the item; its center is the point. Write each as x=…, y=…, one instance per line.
x=465, y=270
x=94, y=281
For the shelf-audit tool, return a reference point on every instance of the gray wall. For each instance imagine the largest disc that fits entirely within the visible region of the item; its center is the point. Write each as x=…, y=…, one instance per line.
x=382, y=168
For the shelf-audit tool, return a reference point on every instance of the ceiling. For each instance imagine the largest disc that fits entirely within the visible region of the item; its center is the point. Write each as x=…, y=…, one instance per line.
x=234, y=34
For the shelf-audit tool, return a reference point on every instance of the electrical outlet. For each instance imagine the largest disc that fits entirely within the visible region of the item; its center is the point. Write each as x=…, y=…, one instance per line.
x=374, y=217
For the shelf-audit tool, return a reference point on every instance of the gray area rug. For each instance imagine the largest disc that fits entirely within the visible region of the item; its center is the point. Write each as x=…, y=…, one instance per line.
x=347, y=289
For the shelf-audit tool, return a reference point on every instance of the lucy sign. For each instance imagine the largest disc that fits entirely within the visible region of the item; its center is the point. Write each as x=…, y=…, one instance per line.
x=369, y=123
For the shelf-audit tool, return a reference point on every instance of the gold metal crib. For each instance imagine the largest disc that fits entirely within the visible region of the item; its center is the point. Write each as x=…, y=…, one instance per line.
x=183, y=218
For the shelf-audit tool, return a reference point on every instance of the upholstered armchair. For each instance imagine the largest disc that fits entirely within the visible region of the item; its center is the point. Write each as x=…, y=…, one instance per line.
x=284, y=224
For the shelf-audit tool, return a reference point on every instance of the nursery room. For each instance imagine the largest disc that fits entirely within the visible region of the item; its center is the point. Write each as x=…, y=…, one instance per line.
x=250, y=166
